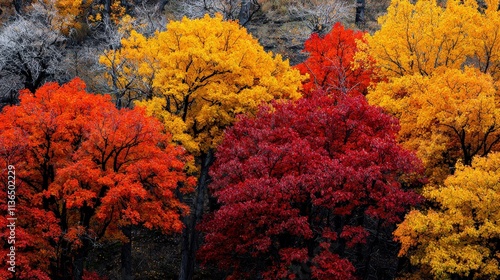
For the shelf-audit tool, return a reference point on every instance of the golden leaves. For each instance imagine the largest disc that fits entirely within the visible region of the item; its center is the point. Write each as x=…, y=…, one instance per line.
x=200, y=74
x=455, y=238
x=449, y=115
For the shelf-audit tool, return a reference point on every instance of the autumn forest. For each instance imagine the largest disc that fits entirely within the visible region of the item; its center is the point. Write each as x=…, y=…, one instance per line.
x=250, y=139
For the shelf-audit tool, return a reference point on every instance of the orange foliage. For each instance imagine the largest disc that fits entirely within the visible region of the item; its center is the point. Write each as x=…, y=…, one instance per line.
x=84, y=171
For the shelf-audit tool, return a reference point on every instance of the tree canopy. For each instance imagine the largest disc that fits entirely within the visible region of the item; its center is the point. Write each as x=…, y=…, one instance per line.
x=85, y=172
x=457, y=237
x=305, y=179
x=198, y=74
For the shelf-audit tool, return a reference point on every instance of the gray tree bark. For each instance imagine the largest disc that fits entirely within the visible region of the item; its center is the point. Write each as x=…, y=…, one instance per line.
x=360, y=13
x=190, y=235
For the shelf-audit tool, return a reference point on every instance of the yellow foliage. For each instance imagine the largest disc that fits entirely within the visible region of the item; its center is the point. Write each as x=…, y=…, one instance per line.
x=440, y=71
x=68, y=12
x=198, y=75
x=63, y=15
x=458, y=237
x=418, y=38
x=449, y=115
x=422, y=37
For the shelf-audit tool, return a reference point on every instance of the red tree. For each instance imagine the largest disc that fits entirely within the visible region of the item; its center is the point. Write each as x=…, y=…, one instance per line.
x=85, y=172
x=330, y=62
x=299, y=187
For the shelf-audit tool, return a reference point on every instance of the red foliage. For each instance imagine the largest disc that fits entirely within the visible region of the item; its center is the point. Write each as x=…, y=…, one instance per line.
x=295, y=182
x=330, y=63
x=84, y=170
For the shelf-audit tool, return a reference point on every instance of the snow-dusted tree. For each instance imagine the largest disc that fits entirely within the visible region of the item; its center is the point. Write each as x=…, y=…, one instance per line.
x=320, y=15
x=242, y=10
x=30, y=55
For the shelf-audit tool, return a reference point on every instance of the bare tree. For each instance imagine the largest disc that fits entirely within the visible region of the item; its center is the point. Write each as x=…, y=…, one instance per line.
x=320, y=15
x=149, y=18
x=30, y=55
x=242, y=10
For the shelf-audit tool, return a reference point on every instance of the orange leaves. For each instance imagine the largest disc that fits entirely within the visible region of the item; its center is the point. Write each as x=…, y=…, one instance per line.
x=439, y=67
x=91, y=167
x=332, y=65
x=440, y=71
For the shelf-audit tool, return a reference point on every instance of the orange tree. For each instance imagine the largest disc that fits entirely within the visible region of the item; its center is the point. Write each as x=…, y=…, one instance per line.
x=440, y=70
x=85, y=173
x=331, y=62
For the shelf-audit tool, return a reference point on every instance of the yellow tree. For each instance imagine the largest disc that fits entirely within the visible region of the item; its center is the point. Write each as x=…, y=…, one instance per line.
x=487, y=40
x=451, y=114
x=459, y=237
x=68, y=16
x=196, y=77
x=418, y=38
x=439, y=66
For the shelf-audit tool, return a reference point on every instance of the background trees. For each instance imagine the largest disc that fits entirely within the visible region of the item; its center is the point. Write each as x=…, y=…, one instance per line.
x=30, y=55
x=89, y=172
x=314, y=183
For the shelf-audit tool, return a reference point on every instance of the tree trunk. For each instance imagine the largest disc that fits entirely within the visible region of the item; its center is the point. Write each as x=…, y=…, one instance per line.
x=161, y=5
x=189, y=234
x=244, y=11
x=126, y=255
x=79, y=259
x=18, y=6
x=247, y=10
x=360, y=13
x=107, y=11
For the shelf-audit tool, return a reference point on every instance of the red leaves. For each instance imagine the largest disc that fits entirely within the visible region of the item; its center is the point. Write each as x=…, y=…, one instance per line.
x=288, y=173
x=354, y=235
x=330, y=63
x=88, y=169
x=327, y=265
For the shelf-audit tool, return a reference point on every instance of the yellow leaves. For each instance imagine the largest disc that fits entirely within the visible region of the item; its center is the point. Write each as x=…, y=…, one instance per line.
x=418, y=38
x=202, y=73
x=64, y=15
x=456, y=238
x=449, y=115
x=440, y=67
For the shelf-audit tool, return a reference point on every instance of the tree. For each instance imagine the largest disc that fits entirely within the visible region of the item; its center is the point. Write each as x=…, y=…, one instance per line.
x=447, y=116
x=330, y=64
x=30, y=55
x=420, y=37
x=319, y=15
x=195, y=77
x=360, y=13
x=438, y=67
x=458, y=236
x=241, y=10
x=315, y=183
x=63, y=16
x=89, y=173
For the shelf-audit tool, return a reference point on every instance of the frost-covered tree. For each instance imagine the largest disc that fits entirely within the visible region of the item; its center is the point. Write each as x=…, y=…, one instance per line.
x=30, y=55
